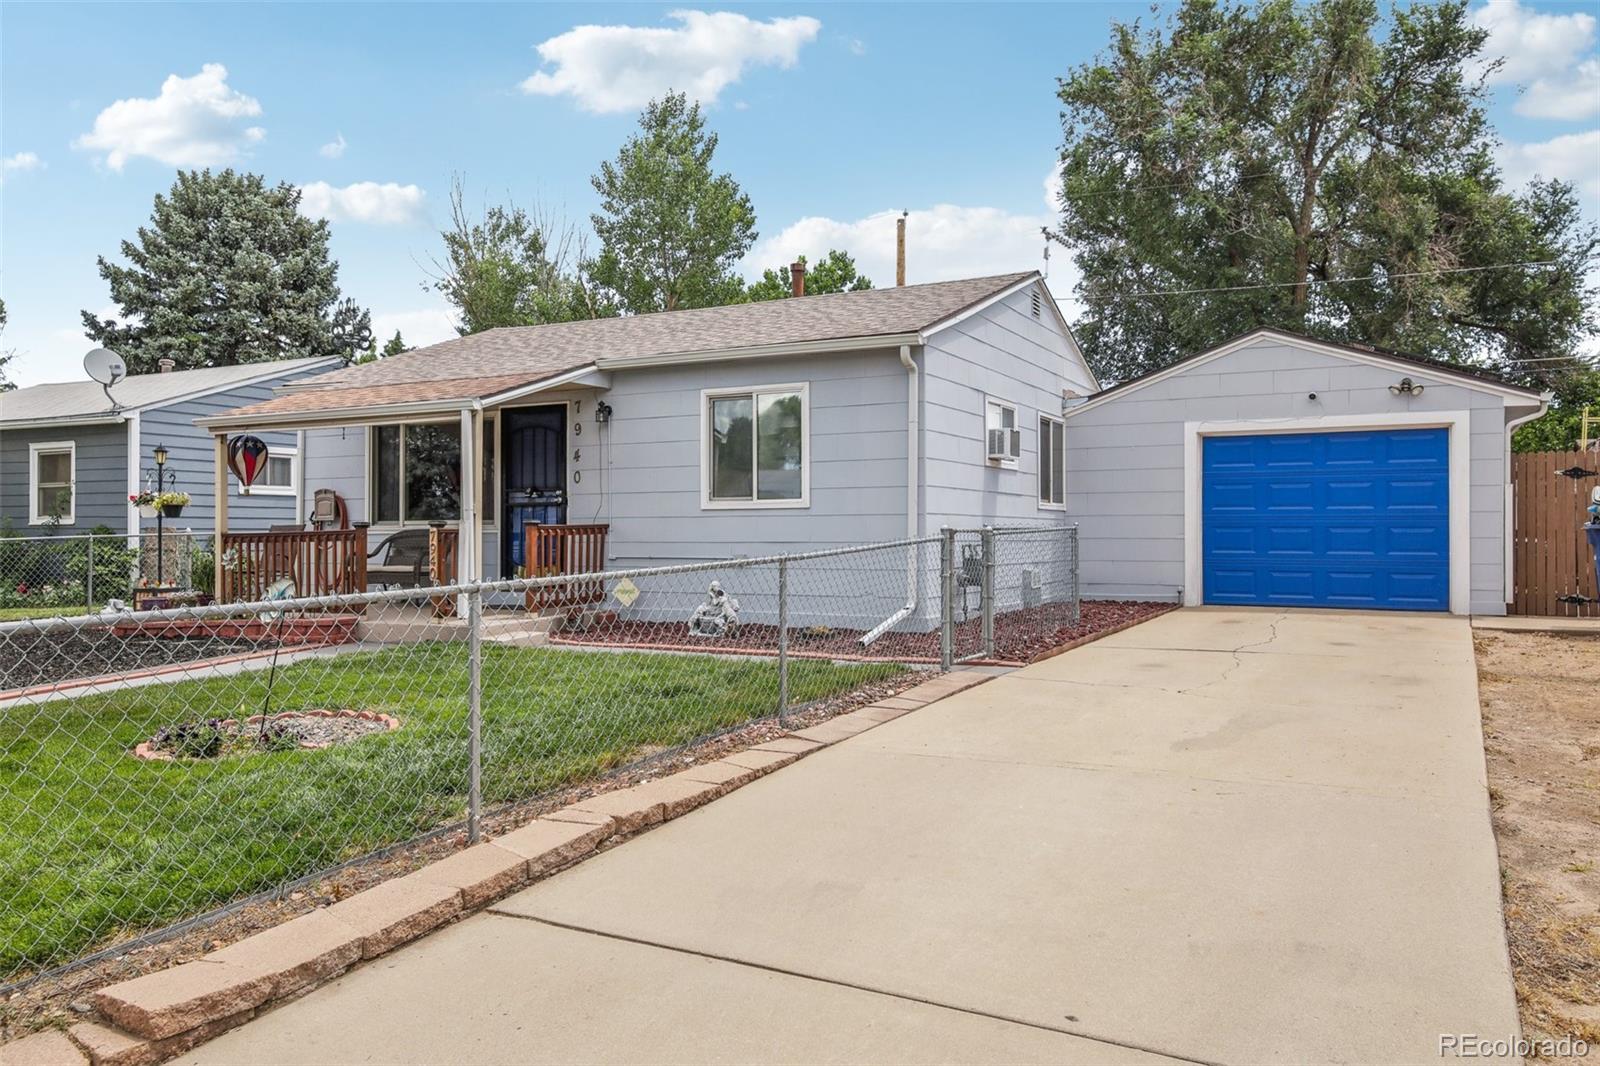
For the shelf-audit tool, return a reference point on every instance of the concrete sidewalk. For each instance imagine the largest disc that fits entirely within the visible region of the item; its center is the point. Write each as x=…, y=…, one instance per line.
x=1219, y=836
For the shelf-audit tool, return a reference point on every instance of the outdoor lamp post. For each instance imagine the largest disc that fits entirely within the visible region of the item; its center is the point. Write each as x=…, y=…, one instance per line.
x=161, y=486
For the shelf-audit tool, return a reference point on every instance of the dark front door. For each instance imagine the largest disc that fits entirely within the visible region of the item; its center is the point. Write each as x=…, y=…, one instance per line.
x=533, y=440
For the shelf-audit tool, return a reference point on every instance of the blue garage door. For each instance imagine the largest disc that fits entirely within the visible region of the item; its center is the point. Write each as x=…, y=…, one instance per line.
x=1328, y=520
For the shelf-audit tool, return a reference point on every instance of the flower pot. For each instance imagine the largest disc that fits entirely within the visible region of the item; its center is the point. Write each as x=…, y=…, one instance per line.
x=172, y=510
x=147, y=511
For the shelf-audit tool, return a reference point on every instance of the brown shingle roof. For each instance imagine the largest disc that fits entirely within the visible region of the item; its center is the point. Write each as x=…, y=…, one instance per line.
x=313, y=401
x=537, y=351
x=495, y=360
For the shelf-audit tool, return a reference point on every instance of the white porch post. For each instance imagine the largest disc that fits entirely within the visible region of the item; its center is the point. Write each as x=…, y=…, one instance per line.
x=219, y=476
x=469, y=544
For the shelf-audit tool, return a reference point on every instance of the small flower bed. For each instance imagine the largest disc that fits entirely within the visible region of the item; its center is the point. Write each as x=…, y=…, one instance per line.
x=215, y=738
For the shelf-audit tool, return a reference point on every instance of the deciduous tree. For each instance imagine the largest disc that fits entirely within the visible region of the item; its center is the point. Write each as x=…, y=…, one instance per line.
x=834, y=272
x=512, y=267
x=672, y=231
x=1265, y=154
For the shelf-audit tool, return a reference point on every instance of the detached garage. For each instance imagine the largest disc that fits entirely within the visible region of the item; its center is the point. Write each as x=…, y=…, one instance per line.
x=1280, y=471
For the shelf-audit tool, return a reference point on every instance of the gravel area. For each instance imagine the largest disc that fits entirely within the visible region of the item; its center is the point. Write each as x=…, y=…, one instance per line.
x=1019, y=636
x=41, y=656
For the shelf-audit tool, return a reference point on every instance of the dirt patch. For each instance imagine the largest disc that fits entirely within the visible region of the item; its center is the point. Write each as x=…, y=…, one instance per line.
x=43, y=657
x=1540, y=696
x=62, y=1000
x=1019, y=636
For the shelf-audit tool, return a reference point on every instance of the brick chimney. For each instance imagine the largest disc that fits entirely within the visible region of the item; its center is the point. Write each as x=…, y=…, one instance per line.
x=166, y=364
x=797, y=276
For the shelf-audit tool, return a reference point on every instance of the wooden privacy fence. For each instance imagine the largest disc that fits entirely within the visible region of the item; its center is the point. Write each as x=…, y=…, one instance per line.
x=319, y=562
x=1551, y=563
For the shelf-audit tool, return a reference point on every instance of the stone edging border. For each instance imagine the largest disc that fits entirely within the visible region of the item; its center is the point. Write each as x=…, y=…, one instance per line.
x=145, y=749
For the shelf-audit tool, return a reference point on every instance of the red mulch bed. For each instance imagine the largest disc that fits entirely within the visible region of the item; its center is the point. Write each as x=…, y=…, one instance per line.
x=1019, y=636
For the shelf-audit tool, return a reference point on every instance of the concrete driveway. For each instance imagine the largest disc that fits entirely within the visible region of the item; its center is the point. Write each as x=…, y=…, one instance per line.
x=1223, y=835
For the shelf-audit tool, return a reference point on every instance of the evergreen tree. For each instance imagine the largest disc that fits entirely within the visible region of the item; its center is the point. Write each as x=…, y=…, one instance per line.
x=227, y=272
x=671, y=230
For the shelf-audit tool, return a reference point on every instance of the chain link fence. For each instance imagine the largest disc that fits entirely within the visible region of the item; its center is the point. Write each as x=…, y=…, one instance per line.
x=49, y=575
x=164, y=766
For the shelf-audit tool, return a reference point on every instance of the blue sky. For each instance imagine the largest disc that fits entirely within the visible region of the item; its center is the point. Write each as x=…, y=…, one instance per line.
x=833, y=117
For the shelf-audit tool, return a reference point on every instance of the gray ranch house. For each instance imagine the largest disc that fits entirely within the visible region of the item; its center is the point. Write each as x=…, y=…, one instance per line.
x=1280, y=471
x=703, y=434
x=70, y=456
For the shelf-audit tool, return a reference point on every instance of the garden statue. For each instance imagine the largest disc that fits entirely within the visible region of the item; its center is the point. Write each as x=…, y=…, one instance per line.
x=716, y=616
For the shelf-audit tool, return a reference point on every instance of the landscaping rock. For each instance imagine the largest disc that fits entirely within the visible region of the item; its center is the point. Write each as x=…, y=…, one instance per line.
x=549, y=843
x=297, y=954
x=49, y=1048
x=394, y=912
x=169, y=1002
x=483, y=873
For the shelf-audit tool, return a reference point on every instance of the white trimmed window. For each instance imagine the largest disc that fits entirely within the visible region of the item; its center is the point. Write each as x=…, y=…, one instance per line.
x=755, y=447
x=1052, y=462
x=1002, y=439
x=282, y=476
x=52, y=474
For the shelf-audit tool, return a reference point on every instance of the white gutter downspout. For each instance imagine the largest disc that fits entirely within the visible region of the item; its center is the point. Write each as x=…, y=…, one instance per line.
x=1511, y=499
x=913, y=436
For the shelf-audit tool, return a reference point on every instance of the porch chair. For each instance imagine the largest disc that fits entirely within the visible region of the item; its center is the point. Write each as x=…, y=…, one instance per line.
x=404, y=560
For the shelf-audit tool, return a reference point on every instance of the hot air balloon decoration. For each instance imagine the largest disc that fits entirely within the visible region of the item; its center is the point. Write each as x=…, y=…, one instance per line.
x=247, y=458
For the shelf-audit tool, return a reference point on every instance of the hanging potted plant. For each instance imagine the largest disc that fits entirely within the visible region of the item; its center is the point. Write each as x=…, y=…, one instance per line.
x=171, y=503
x=145, y=501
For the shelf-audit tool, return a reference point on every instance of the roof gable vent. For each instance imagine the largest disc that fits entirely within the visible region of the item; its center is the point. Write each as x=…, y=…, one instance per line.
x=1037, y=303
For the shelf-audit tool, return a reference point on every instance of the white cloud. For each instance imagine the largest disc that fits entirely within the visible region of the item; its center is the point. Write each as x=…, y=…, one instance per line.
x=21, y=161
x=387, y=204
x=1532, y=44
x=333, y=149
x=943, y=242
x=1571, y=95
x=621, y=68
x=194, y=122
x=1052, y=187
x=419, y=328
x=1571, y=157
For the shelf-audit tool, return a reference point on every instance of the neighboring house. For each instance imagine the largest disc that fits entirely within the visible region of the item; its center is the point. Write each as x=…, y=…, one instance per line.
x=703, y=434
x=1282, y=471
x=69, y=457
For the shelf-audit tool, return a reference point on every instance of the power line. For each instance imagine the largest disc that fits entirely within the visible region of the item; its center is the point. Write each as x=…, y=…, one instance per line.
x=1339, y=281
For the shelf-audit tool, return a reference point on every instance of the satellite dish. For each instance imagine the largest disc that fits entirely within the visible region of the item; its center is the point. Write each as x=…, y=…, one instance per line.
x=105, y=366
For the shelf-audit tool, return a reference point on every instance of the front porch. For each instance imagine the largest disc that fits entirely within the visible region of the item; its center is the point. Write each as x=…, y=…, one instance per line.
x=426, y=497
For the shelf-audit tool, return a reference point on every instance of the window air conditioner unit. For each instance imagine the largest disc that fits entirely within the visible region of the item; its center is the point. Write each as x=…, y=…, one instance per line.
x=1005, y=444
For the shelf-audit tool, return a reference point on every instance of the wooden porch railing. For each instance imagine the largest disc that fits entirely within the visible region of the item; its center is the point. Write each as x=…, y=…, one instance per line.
x=320, y=562
x=444, y=546
x=564, y=549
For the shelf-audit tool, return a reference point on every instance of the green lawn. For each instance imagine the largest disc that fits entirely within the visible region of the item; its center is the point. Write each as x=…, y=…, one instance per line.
x=95, y=843
x=13, y=614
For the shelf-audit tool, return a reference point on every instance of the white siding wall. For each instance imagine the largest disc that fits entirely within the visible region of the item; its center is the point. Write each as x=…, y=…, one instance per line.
x=1125, y=458
x=1006, y=354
